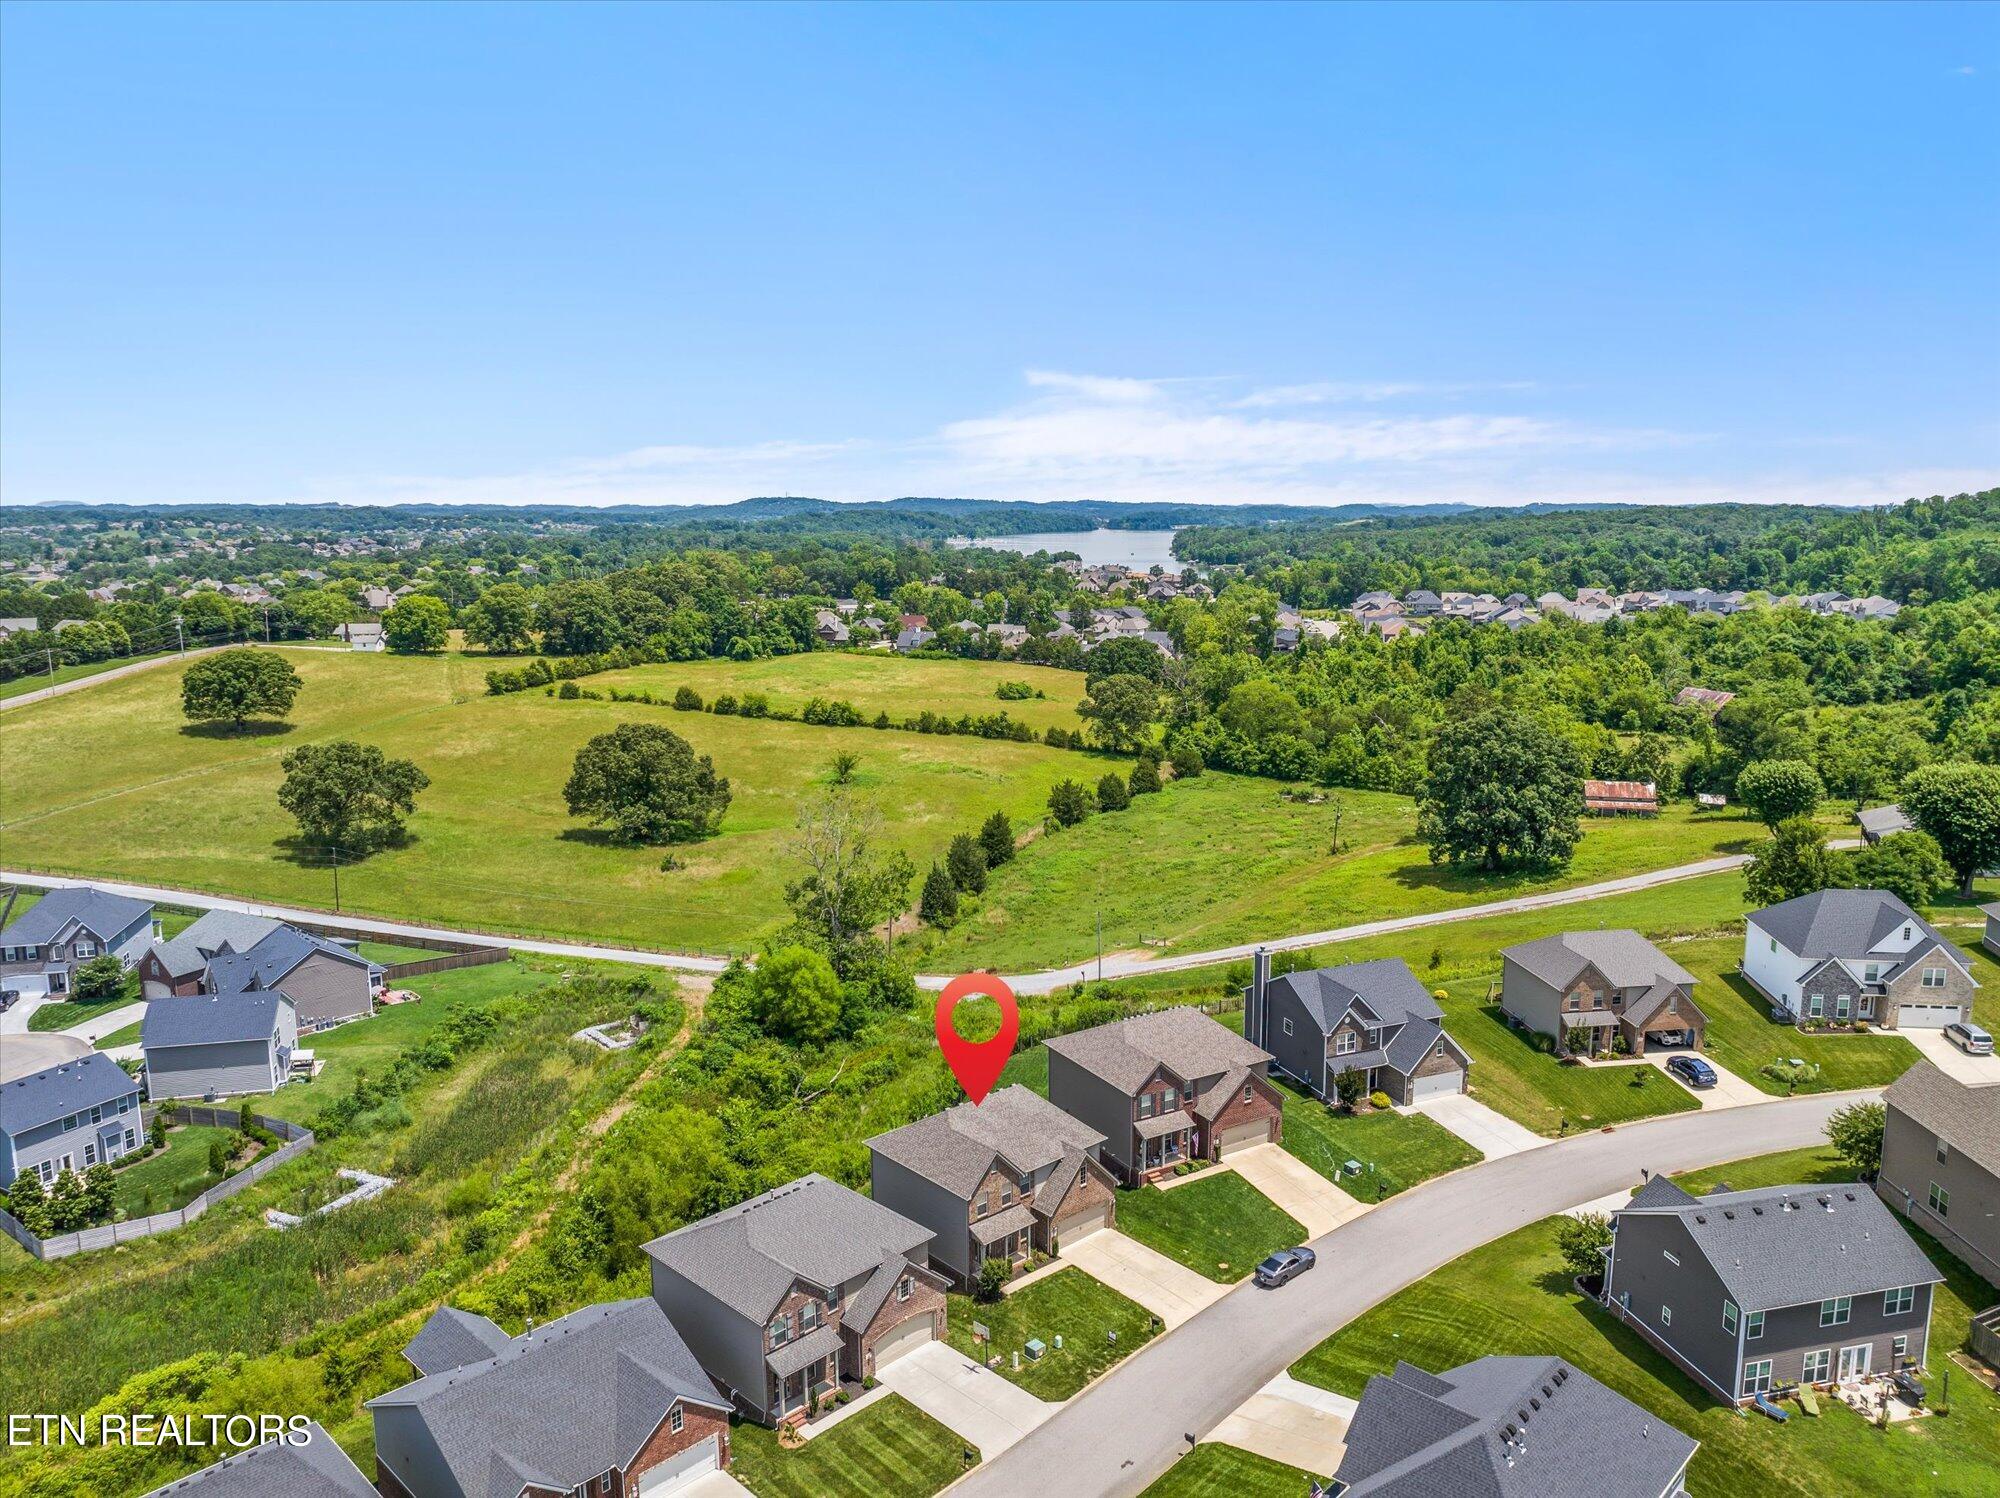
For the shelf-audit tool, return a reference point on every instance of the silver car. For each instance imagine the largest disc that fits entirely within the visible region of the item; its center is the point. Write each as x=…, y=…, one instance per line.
x=1969, y=1038
x=1285, y=1264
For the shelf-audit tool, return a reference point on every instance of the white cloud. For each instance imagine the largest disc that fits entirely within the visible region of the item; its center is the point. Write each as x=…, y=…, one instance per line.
x=1117, y=438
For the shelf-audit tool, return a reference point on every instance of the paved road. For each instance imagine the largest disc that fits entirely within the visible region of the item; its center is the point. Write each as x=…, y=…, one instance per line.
x=62, y=689
x=1026, y=983
x=1133, y=967
x=1120, y=1434
x=371, y=929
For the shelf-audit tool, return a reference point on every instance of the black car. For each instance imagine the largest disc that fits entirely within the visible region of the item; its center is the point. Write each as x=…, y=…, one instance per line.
x=1285, y=1264
x=1692, y=1070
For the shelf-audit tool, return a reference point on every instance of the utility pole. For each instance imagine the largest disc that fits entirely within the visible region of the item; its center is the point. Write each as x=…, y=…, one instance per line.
x=1100, y=944
x=52, y=661
x=336, y=879
x=267, y=624
x=180, y=634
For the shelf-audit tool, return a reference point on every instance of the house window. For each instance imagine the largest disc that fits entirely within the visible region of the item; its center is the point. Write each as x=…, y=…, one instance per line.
x=1288, y=1027
x=125, y=1103
x=90, y=1154
x=131, y=1141
x=979, y=1207
x=1145, y=1105
x=905, y=1287
x=1753, y=1326
x=781, y=1330
x=1597, y=1001
x=1906, y=933
x=1899, y=1348
x=1187, y=1092
x=1729, y=1317
x=1872, y=973
x=808, y=1316
x=604, y=1482
x=1943, y=1152
x=1246, y=1092
x=1940, y=1200
x=1374, y=1036
x=675, y=1420
x=1835, y=1312
x=1818, y=1368
x=71, y=1122
x=1756, y=1378
x=1841, y=1006
x=1900, y=1301
x=1774, y=944
x=47, y=1171
x=86, y=949
x=1934, y=977
x=97, y=1113
x=1666, y=1315
x=1346, y=1043
x=1006, y=1196
x=1816, y=1005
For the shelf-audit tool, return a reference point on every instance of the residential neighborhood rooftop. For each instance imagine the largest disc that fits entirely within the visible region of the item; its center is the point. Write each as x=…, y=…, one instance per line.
x=65, y=1088
x=1964, y=1116
x=1184, y=1040
x=98, y=911
x=1847, y=923
x=955, y=1148
x=453, y=1338
x=318, y=1468
x=1624, y=957
x=211, y=1018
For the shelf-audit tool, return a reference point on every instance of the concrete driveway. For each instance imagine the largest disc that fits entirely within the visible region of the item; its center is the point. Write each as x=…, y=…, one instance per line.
x=713, y=1485
x=1950, y=1060
x=1487, y=1130
x=1290, y=1422
x=1729, y=1091
x=1295, y=1187
x=1170, y=1291
x=973, y=1402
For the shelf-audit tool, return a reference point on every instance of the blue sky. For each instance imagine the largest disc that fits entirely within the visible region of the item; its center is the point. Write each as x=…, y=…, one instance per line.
x=621, y=253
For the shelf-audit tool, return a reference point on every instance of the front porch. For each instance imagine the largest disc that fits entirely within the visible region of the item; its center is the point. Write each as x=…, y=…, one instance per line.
x=801, y=1372
x=1162, y=1144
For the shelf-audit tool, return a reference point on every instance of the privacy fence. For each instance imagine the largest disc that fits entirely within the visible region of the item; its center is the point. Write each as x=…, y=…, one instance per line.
x=297, y=1140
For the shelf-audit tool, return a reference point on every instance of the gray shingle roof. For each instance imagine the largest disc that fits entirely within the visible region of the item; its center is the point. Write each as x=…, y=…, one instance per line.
x=955, y=1148
x=318, y=1469
x=1965, y=1117
x=63, y=1089
x=1186, y=1041
x=214, y=931
x=1625, y=958
x=561, y=1403
x=1015, y=1219
x=1884, y=821
x=98, y=911
x=1840, y=922
x=206, y=1019
x=266, y=964
x=1386, y=988
x=1791, y=1245
x=1506, y=1427
x=452, y=1338
x=803, y=1352
x=812, y=1229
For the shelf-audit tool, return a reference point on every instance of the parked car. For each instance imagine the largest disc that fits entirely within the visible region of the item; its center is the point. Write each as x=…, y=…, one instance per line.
x=1692, y=1070
x=1285, y=1264
x=1969, y=1038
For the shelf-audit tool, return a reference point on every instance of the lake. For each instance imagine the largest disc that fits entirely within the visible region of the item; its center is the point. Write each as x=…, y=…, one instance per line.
x=1102, y=547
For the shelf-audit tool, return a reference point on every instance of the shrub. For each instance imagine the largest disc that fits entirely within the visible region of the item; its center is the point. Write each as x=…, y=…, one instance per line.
x=1145, y=779
x=1015, y=691
x=687, y=700
x=99, y=978
x=724, y=706
x=1187, y=762
x=1111, y=793
x=993, y=1276
x=1379, y=1100
x=939, y=904
x=996, y=837
x=966, y=862
x=755, y=705
x=1069, y=803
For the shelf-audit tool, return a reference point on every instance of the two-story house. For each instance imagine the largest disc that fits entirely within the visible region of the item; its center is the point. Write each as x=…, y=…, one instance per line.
x=1750, y=1290
x=1009, y=1176
x=218, y=1045
x=786, y=1295
x=70, y=1116
x=1840, y=955
x=1371, y=1018
x=1164, y=1088
x=1507, y=1427
x=1941, y=1161
x=178, y=964
x=1608, y=983
x=327, y=983
x=605, y=1400
x=41, y=948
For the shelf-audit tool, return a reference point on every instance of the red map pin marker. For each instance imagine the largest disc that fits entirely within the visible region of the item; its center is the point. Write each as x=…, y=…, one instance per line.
x=977, y=1063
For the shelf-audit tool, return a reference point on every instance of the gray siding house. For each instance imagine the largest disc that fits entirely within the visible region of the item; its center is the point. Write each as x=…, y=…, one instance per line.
x=1748, y=1291
x=328, y=984
x=1163, y=1088
x=1992, y=936
x=787, y=1295
x=999, y=1180
x=1841, y=955
x=178, y=964
x=70, y=1116
x=1373, y=1018
x=1615, y=984
x=40, y=949
x=604, y=1400
x=1941, y=1162
x=314, y=1467
x=218, y=1045
x=1507, y=1427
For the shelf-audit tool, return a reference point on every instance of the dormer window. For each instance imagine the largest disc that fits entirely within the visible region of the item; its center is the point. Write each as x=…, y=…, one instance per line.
x=1906, y=933
x=1374, y=1036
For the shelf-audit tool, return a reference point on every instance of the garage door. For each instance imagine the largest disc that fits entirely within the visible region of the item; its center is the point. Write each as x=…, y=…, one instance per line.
x=1926, y=1016
x=908, y=1337
x=1243, y=1135
x=703, y=1456
x=1080, y=1224
x=1443, y=1084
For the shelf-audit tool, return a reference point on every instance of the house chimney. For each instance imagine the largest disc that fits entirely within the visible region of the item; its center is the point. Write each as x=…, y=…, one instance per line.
x=1253, y=1011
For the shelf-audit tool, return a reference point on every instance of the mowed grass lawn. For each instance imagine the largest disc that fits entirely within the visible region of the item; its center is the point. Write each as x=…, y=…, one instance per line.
x=1068, y=1304
x=1514, y=1297
x=871, y=683
x=1214, y=1470
x=1218, y=1226
x=493, y=847
x=1225, y=859
x=892, y=1449
x=1399, y=1150
x=172, y=1177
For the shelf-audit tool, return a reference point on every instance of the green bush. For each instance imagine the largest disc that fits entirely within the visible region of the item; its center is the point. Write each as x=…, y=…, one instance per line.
x=687, y=700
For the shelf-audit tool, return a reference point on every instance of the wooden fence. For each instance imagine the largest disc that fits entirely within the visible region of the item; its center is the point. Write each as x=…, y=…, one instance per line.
x=477, y=957
x=297, y=1141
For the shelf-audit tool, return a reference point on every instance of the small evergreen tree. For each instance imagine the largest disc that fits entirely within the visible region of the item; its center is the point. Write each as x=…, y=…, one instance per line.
x=687, y=700
x=966, y=861
x=1069, y=802
x=1145, y=776
x=939, y=905
x=996, y=837
x=1111, y=793
x=1188, y=763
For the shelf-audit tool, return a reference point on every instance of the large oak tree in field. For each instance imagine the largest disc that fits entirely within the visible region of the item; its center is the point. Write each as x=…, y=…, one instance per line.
x=1502, y=789
x=347, y=795
x=234, y=686
x=647, y=784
